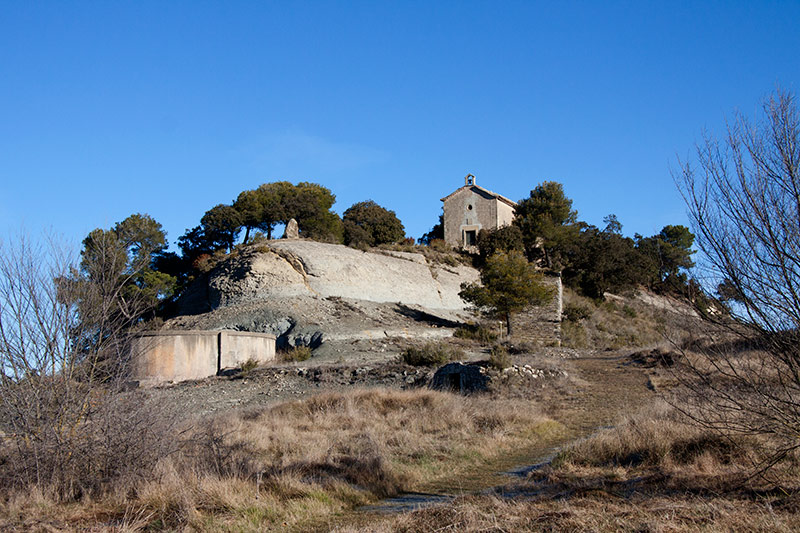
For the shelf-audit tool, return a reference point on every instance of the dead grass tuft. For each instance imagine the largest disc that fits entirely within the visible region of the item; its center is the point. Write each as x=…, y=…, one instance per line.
x=608, y=325
x=432, y=354
x=657, y=438
x=295, y=354
x=298, y=462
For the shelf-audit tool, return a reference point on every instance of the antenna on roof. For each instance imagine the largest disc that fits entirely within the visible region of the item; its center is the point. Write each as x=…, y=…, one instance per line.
x=469, y=179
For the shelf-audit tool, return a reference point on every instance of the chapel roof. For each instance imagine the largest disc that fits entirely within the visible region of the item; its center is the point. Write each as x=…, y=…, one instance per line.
x=486, y=192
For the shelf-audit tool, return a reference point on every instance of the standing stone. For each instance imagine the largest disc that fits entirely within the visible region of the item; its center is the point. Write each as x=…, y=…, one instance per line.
x=291, y=231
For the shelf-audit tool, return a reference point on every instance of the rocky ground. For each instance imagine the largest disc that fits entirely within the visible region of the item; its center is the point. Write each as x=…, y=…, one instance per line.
x=362, y=364
x=307, y=293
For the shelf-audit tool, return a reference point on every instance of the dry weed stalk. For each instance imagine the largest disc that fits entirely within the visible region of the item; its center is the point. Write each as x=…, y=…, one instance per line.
x=64, y=349
x=743, y=195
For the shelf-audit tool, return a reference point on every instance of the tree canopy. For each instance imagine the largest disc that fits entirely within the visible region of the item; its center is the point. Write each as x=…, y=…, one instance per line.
x=547, y=221
x=666, y=254
x=505, y=239
x=369, y=224
x=436, y=232
x=509, y=283
x=120, y=261
x=310, y=205
x=221, y=226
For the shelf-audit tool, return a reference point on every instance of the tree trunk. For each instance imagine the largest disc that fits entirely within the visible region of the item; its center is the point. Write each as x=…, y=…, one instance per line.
x=246, y=233
x=508, y=324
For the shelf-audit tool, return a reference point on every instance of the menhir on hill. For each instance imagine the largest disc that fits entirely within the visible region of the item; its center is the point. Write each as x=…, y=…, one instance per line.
x=305, y=291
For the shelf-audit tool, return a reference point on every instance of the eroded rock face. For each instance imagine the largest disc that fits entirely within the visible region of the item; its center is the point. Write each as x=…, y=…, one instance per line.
x=307, y=293
x=289, y=269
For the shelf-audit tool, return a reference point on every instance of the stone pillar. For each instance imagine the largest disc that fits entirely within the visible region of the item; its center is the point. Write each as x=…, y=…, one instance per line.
x=292, y=231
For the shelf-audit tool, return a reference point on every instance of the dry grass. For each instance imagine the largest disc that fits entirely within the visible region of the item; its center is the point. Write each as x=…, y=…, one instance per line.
x=432, y=354
x=608, y=325
x=477, y=332
x=600, y=512
x=295, y=354
x=661, y=443
x=438, y=253
x=296, y=462
x=653, y=472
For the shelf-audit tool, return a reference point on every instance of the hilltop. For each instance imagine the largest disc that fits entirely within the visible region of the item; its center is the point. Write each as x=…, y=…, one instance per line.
x=313, y=294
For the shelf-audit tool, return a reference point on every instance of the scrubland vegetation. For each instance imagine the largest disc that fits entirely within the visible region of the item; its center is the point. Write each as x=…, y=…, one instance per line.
x=712, y=447
x=295, y=353
x=610, y=324
x=655, y=470
x=295, y=463
x=431, y=353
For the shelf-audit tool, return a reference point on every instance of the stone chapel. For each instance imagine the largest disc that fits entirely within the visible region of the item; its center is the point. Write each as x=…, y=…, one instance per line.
x=472, y=208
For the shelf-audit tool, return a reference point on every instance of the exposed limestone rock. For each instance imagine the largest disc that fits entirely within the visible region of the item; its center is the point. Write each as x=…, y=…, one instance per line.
x=292, y=231
x=309, y=293
x=289, y=269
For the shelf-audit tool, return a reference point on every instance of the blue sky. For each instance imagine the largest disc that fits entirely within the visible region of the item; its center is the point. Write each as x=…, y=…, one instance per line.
x=169, y=108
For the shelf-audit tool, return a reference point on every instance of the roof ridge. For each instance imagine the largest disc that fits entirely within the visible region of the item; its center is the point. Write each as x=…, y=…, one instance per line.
x=487, y=191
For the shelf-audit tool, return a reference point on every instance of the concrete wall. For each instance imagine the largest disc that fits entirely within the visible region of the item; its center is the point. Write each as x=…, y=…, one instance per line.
x=237, y=347
x=541, y=325
x=161, y=356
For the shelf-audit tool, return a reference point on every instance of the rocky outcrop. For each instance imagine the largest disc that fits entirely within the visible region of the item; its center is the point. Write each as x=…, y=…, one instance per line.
x=306, y=293
x=288, y=269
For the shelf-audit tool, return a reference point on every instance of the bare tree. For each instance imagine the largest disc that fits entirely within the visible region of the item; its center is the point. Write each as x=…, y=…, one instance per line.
x=64, y=346
x=743, y=195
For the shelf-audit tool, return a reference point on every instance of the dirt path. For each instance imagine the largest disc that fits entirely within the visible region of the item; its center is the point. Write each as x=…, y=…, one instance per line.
x=608, y=387
x=611, y=386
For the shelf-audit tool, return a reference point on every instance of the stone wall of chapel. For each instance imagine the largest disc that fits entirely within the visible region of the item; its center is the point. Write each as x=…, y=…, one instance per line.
x=470, y=210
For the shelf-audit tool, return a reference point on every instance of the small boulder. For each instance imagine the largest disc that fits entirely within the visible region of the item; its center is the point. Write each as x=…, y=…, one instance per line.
x=461, y=378
x=292, y=231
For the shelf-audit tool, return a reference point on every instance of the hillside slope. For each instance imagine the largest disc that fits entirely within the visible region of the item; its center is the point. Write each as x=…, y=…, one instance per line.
x=306, y=292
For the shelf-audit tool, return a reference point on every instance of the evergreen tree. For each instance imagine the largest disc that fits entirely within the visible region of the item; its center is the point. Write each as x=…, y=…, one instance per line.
x=509, y=283
x=221, y=226
x=369, y=224
x=503, y=239
x=119, y=265
x=436, y=232
x=547, y=221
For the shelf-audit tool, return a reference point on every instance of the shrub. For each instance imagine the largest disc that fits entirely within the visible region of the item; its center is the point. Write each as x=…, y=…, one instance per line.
x=297, y=353
x=576, y=312
x=574, y=335
x=476, y=332
x=248, y=366
x=432, y=353
x=440, y=245
x=499, y=358
x=66, y=423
